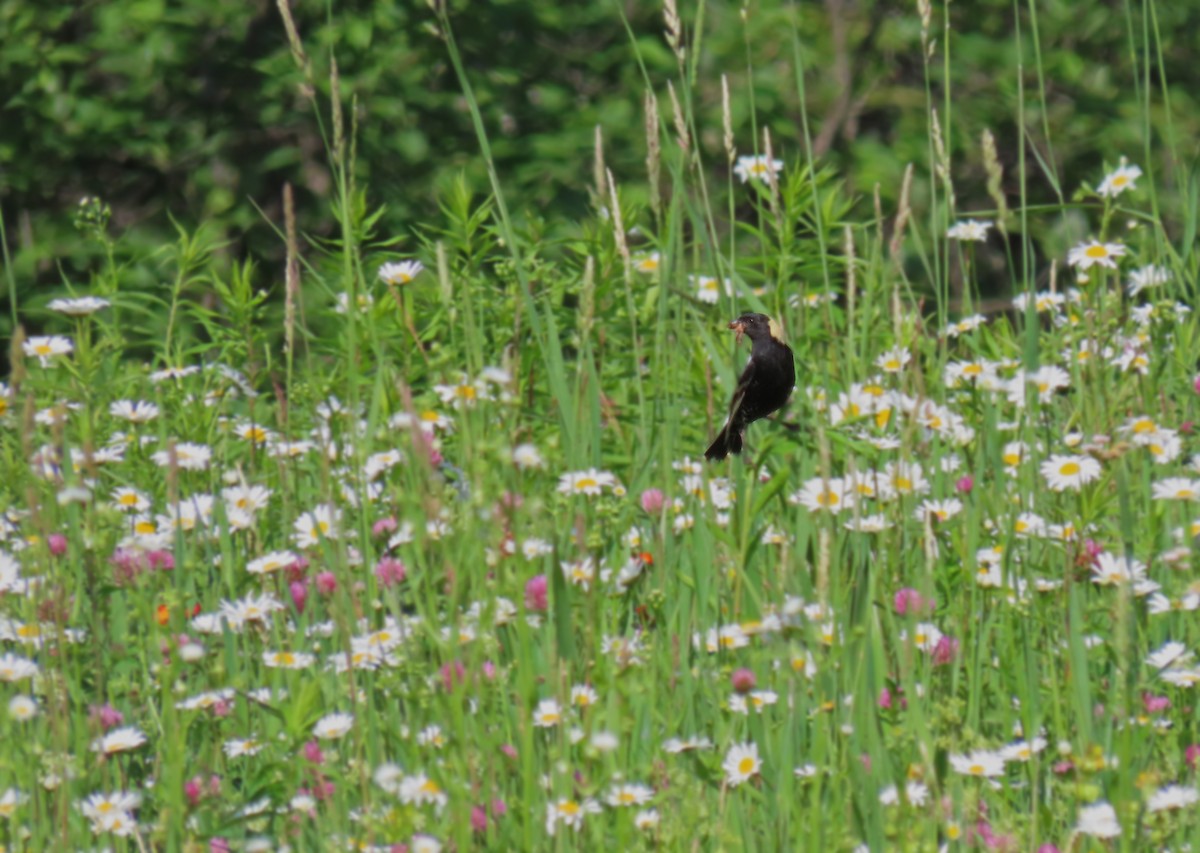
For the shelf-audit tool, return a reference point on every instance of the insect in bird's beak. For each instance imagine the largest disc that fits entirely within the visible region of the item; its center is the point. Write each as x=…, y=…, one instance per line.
x=740, y=328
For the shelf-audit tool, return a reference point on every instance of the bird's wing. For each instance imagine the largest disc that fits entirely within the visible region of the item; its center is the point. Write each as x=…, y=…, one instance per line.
x=740, y=392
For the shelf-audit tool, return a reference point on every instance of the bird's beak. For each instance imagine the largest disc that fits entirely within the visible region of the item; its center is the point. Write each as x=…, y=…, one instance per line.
x=740, y=328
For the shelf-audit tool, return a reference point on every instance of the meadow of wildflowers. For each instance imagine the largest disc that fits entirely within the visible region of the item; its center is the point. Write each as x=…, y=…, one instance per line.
x=429, y=558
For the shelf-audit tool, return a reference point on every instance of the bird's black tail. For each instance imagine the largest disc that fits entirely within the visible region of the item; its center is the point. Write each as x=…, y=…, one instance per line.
x=728, y=440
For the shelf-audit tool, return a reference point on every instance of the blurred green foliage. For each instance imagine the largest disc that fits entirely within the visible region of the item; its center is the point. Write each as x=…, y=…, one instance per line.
x=197, y=113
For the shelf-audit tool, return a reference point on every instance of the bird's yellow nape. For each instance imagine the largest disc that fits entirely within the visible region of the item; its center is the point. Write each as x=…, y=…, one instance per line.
x=776, y=329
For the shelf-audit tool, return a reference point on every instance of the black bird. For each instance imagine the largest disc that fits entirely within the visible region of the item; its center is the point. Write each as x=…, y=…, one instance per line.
x=763, y=387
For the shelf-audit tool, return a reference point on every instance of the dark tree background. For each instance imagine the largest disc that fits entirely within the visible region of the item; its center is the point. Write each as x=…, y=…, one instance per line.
x=192, y=111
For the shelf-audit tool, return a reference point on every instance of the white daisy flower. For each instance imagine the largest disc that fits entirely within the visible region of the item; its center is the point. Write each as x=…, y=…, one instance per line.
x=1069, y=472
x=969, y=230
x=1119, y=180
x=1098, y=820
x=134, y=411
x=123, y=739
x=78, y=307
x=1172, y=797
x=981, y=762
x=47, y=347
x=756, y=167
x=741, y=763
x=1094, y=253
x=400, y=272
x=333, y=726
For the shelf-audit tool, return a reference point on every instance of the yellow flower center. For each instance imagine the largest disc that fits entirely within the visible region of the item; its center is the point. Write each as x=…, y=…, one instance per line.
x=1070, y=469
x=285, y=658
x=975, y=769
x=1096, y=251
x=972, y=370
x=586, y=483
x=1120, y=180
x=466, y=392
x=1012, y=459
x=746, y=766
x=43, y=349
x=569, y=807
x=829, y=498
